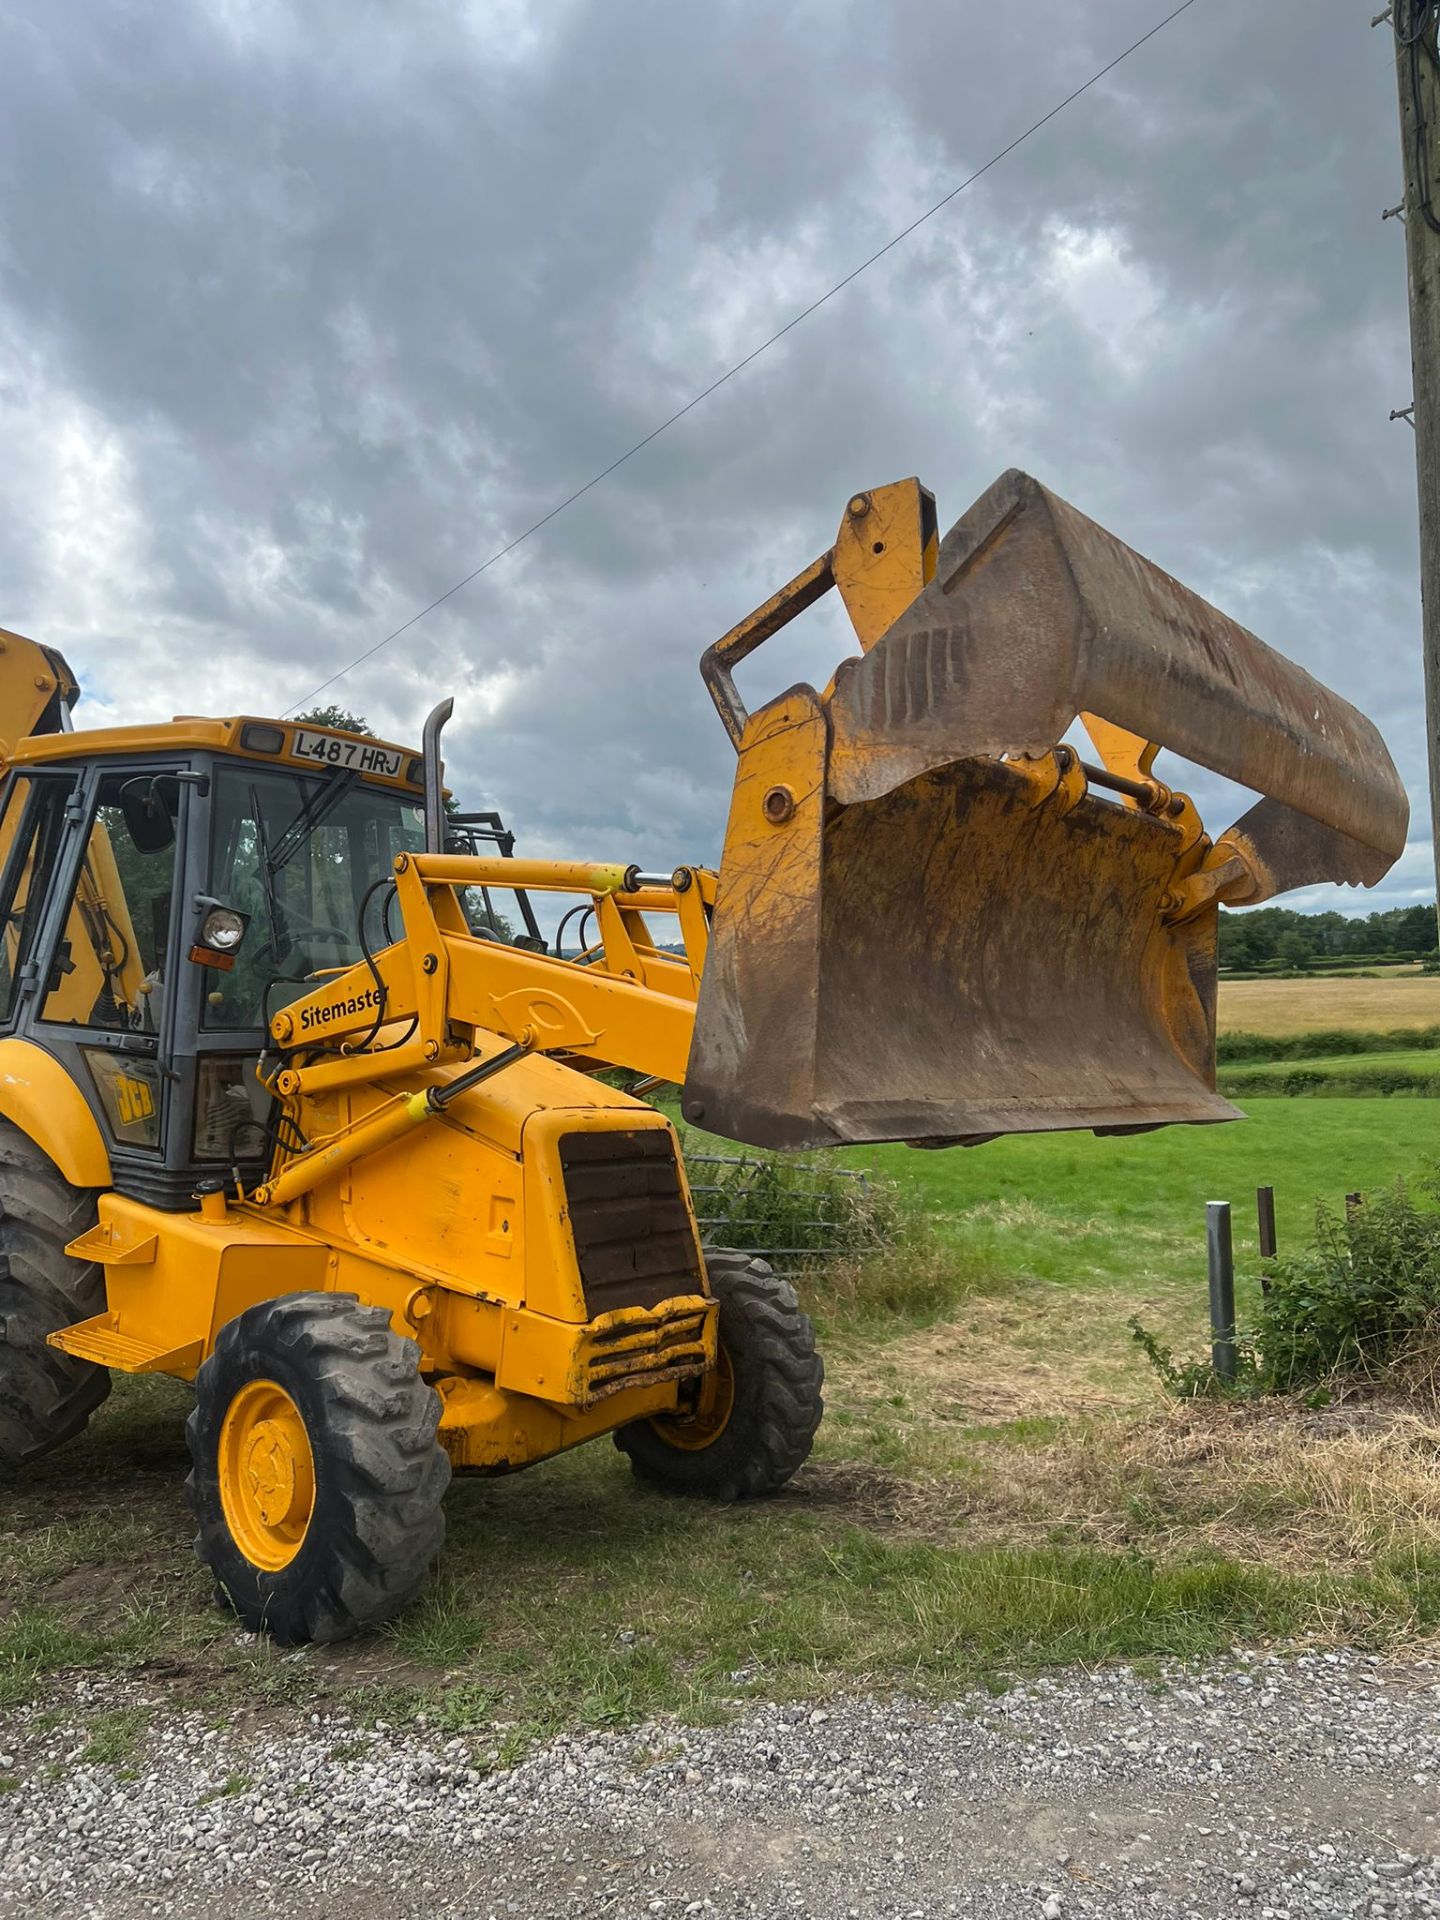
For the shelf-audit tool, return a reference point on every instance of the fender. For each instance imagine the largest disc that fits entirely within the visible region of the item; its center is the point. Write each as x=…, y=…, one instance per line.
x=39, y=1097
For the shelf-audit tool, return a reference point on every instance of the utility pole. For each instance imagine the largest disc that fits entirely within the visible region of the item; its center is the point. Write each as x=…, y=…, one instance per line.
x=1417, y=70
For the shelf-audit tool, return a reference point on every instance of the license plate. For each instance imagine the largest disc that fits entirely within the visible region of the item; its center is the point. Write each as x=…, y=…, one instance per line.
x=365, y=756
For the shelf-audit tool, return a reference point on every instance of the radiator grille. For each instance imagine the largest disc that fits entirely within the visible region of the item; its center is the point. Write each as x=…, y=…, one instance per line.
x=631, y=1227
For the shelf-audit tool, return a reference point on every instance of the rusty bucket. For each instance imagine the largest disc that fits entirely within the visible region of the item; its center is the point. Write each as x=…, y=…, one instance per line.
x=934, y=921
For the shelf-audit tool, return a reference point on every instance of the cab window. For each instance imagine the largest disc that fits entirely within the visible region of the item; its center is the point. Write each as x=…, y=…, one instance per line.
x=109, y=966
x=30, y=834
x=302, y=857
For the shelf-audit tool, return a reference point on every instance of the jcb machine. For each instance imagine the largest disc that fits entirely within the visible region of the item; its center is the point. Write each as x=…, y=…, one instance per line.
x=290, y=1111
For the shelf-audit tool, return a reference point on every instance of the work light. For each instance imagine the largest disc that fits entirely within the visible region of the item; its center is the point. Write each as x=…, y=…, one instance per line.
x=218, y=939
x=222, y=929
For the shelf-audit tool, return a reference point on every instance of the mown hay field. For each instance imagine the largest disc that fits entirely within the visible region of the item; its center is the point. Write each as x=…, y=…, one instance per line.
x=1300, y=1006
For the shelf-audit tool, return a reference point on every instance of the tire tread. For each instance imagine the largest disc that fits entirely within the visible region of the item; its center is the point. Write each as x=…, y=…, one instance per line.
x=378, y=1522
x=46, y=1397
x=779, y=1399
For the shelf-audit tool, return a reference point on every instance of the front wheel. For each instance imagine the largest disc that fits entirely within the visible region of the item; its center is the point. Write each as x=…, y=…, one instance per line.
x=754, y=1422
x=317, y=1478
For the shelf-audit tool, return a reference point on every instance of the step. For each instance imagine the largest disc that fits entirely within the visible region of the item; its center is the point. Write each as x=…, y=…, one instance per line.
x=100, y=1342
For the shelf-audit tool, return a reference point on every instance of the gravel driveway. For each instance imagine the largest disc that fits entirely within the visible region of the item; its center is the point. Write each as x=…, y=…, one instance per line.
x=1302, y=1787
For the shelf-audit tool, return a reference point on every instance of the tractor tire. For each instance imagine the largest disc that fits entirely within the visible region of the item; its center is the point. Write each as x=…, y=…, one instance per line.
x=46, y=1396
x=316, y=1478
x=757, y=1424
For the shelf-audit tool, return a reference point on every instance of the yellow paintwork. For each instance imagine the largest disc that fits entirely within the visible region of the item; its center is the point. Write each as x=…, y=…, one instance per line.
x=267, y=1475
x=483, y=1274
x=485, y=1430
x=38, y=1096
x=30, y=678
x=884, y=554
x=1123, y=752
x=700, y=1427
x=173, y=1280
x=637, y=1005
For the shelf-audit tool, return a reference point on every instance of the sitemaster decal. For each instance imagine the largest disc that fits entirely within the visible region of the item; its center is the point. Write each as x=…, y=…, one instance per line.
x=322, y=1016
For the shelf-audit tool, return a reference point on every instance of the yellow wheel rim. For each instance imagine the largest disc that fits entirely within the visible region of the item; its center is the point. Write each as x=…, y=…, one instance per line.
x=693, y=1432
x=267, y=1475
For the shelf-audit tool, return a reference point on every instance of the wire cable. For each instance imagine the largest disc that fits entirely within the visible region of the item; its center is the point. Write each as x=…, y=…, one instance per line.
x=740, y=365
x=1415, y=30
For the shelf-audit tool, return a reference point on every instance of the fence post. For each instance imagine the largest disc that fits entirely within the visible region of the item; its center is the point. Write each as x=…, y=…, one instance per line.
x=1265, y=1220
x=1265, y=1215
x=1220, y=1250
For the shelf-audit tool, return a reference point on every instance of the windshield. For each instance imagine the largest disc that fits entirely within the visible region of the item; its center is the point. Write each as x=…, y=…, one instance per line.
x=299, y=856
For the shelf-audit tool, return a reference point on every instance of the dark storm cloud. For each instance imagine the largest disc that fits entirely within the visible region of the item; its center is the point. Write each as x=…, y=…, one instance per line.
x=307, y=309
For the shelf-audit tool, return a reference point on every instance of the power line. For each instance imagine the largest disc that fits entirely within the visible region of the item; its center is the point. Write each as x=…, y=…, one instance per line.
x=740, y=365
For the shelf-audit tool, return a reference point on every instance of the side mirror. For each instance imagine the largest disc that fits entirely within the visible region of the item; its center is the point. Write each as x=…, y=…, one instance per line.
x=150, y=806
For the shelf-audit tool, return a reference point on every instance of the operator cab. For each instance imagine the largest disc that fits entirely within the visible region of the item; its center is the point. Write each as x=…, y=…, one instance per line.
x=165, y=891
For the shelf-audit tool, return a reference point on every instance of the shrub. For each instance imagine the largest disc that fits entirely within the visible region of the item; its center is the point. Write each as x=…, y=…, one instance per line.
x=1303, y=1080
x=1355, y=1083
x=1360, y=1304
x=795, y=1209
x=859, y=1248
x=1238, y=1048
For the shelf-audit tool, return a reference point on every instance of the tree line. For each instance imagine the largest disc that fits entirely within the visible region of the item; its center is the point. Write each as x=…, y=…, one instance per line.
x=1299, y=939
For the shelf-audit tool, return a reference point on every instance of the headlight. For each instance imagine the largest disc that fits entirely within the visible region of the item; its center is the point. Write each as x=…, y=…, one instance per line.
x=222, y=929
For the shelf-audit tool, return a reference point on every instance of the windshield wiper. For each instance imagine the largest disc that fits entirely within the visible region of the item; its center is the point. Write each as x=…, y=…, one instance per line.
x=272, y=912
x=312, y=815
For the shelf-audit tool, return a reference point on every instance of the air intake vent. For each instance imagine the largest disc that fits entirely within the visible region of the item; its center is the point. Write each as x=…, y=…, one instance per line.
x=632, y=1232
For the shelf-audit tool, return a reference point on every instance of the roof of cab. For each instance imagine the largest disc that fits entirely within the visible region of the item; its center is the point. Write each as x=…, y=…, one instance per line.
x=238, y=736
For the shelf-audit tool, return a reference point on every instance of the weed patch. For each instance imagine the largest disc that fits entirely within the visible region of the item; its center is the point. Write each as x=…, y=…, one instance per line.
x=37, y=1641
x=115, y=1737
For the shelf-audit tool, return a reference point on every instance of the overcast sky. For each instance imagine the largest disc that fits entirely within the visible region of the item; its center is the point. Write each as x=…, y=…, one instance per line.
x=306, y=309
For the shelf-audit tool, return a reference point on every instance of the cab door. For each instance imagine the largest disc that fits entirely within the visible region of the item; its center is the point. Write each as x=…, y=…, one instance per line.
x=101, y=993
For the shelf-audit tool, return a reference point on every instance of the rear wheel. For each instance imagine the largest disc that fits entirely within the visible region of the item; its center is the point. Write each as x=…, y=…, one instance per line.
x=754, y=1421
x=46, y=1396
x=316, y=1477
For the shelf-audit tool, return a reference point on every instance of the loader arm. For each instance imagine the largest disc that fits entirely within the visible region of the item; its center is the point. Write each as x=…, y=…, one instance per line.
x=467, y=1003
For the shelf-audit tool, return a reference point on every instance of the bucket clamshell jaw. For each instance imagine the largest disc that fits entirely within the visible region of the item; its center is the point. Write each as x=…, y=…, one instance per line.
x=934, y=921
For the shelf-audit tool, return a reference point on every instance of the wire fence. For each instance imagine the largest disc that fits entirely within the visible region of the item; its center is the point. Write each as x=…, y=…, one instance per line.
x=794, y=1213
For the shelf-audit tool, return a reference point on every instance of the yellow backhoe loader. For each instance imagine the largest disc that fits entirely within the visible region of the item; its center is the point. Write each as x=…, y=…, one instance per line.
x=288, y=1109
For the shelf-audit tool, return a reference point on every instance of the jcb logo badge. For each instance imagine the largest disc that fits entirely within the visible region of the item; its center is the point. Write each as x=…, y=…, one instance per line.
x=134, y=1099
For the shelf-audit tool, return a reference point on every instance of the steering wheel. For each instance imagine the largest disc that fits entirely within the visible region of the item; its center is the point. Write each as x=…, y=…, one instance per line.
x=299, y=936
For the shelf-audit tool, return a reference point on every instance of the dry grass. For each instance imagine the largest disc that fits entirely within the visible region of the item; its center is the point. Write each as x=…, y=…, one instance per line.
x=1304, y=1006
x=1041, y=1353
x=1009, y=1430
x=1273, y=1487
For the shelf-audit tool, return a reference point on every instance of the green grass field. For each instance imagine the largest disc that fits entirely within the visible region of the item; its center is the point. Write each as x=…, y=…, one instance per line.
x=1080, y=1211
x=997, y=1487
